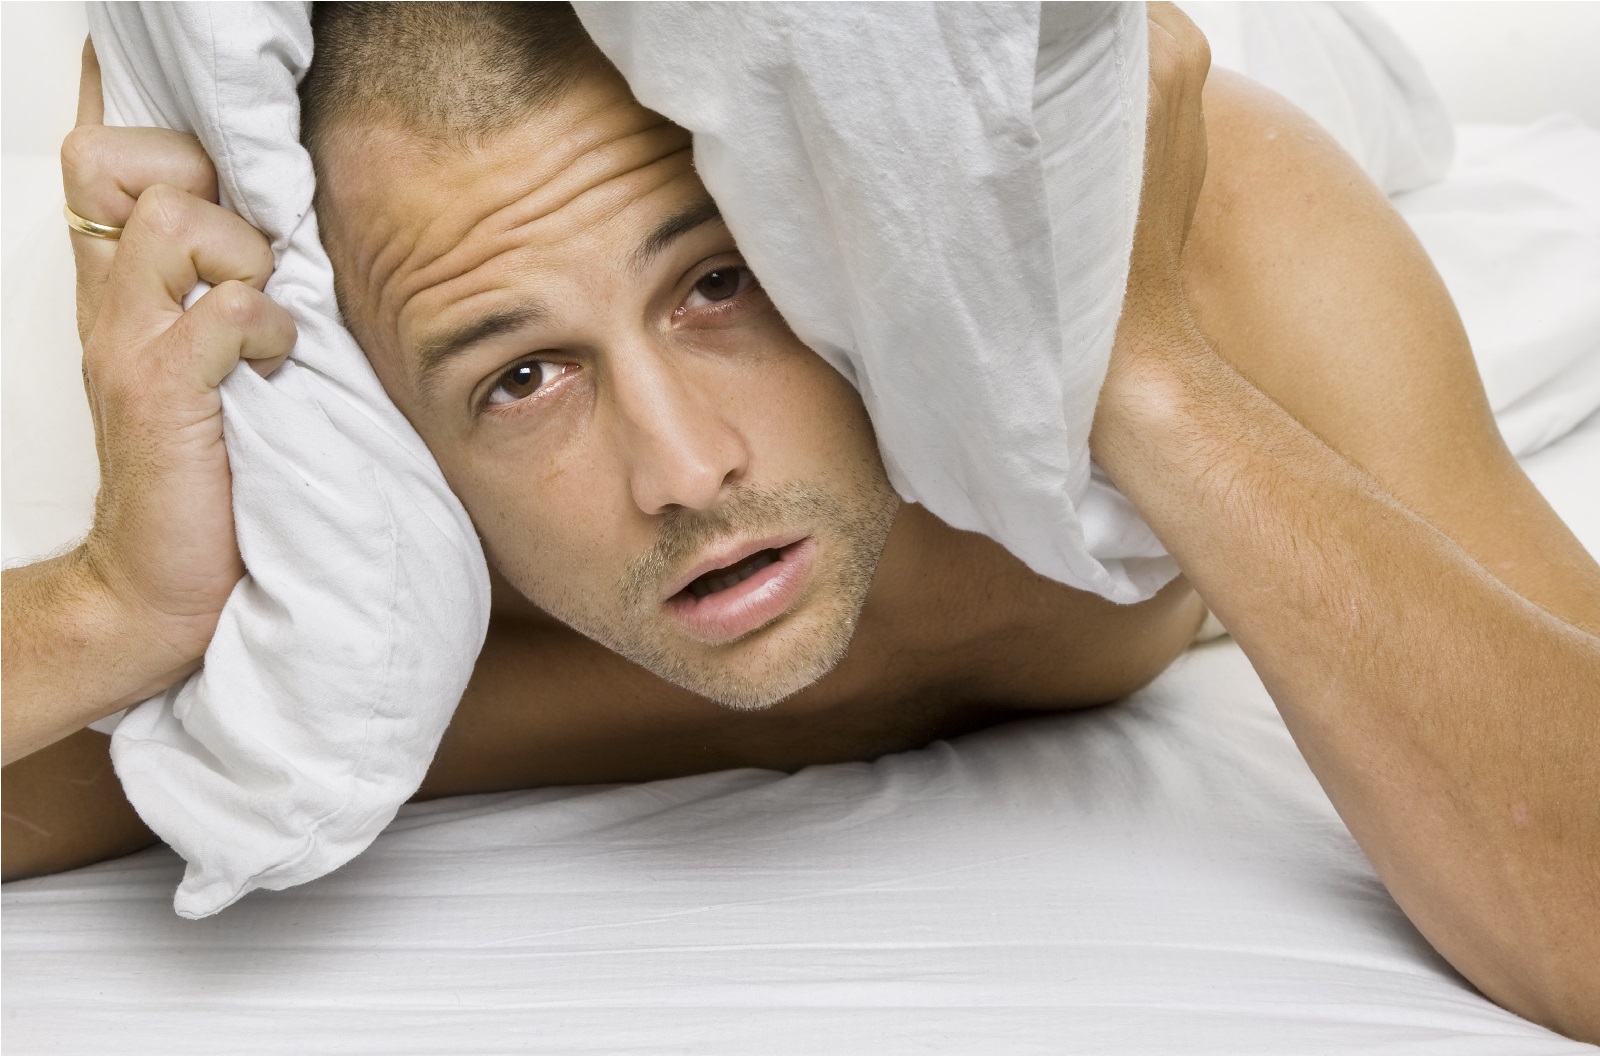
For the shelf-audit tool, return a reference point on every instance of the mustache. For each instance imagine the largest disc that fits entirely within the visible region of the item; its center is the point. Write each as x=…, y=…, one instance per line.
x=684, y=534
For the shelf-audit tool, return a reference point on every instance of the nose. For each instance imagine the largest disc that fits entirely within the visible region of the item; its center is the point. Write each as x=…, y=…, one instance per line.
x=679, y=448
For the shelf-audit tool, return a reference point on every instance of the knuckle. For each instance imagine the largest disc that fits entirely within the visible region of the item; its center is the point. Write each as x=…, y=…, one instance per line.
x=164, y=210
x=83, y=154
x=236, y=304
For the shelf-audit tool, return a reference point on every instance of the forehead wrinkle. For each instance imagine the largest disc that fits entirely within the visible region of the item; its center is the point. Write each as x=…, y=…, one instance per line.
x=398, y=255
x=467, y=263
x=509, y=224
x=412, y=244
x=471, y=245
x=500, y=177
x=371, y=260
x=597, y=205
x=389, y=258
x=605, y=163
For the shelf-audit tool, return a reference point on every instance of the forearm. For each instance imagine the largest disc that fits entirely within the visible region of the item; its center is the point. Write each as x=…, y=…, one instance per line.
x=72, y=655
x=1452, y=723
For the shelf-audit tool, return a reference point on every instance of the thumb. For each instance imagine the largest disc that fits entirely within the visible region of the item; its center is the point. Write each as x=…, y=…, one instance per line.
x=91, y=102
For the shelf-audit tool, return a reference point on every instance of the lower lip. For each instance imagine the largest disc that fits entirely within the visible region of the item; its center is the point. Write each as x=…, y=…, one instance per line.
x=749, y=605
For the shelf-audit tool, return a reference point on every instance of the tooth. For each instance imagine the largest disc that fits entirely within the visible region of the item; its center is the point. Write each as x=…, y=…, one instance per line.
x=709, y=584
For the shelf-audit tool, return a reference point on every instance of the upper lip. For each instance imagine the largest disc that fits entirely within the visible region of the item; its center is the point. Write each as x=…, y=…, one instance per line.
x=731, y=553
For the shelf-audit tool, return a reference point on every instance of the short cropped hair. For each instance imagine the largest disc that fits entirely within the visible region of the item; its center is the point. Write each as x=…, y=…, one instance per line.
x=451, y=73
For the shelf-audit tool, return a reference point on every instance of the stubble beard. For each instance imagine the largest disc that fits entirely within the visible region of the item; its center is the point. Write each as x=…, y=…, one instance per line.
x=857, y=527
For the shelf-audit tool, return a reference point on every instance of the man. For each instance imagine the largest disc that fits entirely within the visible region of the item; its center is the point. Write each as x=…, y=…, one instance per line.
x=700, y=562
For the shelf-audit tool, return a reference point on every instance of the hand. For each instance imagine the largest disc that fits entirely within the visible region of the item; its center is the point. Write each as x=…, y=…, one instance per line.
x=162, y=546
x=1155, y=312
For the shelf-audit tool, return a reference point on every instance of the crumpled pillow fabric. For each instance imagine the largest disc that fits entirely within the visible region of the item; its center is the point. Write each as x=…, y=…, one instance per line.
x=342, y=654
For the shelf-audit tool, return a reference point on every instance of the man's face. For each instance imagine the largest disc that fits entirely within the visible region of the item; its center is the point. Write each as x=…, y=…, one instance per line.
x=646, y=450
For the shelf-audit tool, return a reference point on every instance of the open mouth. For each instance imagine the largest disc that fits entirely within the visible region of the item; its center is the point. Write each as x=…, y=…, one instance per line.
x=733, y=600
x=719, y=579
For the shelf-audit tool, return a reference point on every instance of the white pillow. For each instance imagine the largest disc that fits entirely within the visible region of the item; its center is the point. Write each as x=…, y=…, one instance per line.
x=341, y=656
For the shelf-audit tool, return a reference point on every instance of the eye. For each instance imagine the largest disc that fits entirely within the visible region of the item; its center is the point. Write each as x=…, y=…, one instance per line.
x=523, y=380
x=720, y=284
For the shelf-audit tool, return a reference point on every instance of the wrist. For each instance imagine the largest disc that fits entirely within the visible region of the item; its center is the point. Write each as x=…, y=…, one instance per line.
x=149, y=653
x=73, y=654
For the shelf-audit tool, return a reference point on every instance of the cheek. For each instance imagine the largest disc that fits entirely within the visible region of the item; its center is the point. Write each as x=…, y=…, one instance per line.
x=544, y=525
x=811, y=419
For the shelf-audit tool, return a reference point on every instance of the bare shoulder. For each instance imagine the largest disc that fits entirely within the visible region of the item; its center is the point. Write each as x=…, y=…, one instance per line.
x=1313, y=286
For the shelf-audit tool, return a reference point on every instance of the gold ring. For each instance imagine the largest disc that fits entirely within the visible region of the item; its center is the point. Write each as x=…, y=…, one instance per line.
x=85, y=226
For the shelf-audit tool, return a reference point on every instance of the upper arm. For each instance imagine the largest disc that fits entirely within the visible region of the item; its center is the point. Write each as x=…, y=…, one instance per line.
x=1310, y=283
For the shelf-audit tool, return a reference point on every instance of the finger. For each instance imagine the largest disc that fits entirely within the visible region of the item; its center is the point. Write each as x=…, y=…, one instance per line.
x=104, y=170
x=91, y=103
x=92, y=259
x=233, y=321
x=174, y=240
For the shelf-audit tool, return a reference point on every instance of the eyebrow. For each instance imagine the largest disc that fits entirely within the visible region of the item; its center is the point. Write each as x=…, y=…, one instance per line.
x=673, y=228
x=434, y=353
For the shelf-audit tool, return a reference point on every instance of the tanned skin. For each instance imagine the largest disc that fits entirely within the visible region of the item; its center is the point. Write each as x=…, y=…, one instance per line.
x=1292, y=405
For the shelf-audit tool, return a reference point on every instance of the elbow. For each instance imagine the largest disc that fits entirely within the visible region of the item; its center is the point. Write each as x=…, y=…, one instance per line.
x=1568, y=1003
x=1557, y=987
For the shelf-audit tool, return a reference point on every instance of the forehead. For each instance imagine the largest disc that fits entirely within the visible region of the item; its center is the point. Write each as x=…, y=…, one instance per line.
x=421, y=232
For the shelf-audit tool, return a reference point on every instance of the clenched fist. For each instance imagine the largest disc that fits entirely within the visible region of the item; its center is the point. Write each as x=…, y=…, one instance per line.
x=162, y=544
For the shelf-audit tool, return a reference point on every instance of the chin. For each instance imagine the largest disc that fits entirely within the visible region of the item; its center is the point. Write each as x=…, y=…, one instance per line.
x=771, y=666
x=738, y=694
x=745, y=698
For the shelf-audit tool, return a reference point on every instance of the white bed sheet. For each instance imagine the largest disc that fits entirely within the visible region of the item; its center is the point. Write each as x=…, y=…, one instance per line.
x=1160, y=876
